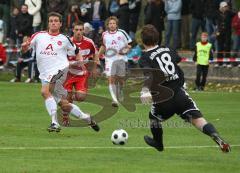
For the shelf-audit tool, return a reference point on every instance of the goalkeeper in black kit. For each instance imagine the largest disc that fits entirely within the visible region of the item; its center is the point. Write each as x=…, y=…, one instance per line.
x=163, y=88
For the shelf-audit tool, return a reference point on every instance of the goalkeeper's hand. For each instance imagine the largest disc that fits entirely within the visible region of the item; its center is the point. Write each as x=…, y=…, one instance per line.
x=146, y=96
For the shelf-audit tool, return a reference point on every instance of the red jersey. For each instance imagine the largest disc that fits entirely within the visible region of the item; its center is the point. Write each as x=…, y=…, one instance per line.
x=87, y=50
x=3, y=55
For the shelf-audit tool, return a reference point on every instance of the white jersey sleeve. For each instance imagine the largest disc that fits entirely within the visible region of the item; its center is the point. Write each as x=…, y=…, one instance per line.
x=33, y=40
x=128, y=38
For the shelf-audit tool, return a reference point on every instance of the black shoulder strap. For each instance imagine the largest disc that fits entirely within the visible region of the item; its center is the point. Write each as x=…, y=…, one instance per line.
x=33, y=3
x=69, y=39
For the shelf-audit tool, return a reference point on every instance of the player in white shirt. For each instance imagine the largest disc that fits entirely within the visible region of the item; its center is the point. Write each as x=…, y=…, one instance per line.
x=115, y=45
x=52, y=49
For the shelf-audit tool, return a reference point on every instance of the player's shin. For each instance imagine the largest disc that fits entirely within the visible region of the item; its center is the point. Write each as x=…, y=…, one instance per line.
x=203, y=125
x=120, y=96
x=51, y=107
x=210, y=130
x=113, y=92
x=65, y=118
x=157, y=131
x=76, y=111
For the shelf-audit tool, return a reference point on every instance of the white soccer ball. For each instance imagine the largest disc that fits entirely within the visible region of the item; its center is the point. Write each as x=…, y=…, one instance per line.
x=119, y=137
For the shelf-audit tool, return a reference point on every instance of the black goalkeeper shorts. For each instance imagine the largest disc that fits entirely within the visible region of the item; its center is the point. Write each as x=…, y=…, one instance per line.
x=181, y=104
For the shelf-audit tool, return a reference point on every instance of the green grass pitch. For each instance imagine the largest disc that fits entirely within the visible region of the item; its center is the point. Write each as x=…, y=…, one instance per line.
x=26, y=146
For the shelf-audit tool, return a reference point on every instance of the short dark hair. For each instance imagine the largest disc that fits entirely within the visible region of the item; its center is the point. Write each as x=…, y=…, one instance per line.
x=24, y=5
x=79, y=23
x=55, y=14
x=149, y=35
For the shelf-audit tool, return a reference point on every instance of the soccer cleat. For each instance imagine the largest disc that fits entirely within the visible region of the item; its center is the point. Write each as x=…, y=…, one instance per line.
x=224, y=146
x=65, y=120
x=114, y=104
x=94, y=125
x=151, y=142
x=54, y=128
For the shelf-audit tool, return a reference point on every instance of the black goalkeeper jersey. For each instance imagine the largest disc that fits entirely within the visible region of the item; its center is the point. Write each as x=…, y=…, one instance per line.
x=160, y=69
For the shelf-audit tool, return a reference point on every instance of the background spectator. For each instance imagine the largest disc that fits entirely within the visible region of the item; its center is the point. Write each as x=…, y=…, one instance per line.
x=2, y=28
x=24, y=24
x=211, y=10
x=236, y=34
x=197, y=10
x=25, y=60
x=99, y=14
x=185, y=24
x=34, y=7
x=86, y=11
x=123, y=15
x=3, y=56
x=88, y=30
x=173, y=10
x=58, y=6
x=154, y=14
x=20, y=2
x=113, y=7
x=231, y=4
x=13, y=25
x=224, y=32
x=98, y=37
x=5, y=13
x=72, y=17
x=135, y=9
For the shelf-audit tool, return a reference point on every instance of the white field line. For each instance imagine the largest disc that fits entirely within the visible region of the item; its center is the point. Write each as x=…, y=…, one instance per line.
x=117, y=147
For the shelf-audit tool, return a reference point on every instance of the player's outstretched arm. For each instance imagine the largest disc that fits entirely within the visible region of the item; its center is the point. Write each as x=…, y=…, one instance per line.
x=79, y=57
x=95, y=63
x=79, y=61
x=25, y=46
x=101, y=51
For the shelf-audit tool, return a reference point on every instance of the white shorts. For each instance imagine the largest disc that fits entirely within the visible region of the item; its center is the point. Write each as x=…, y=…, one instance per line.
x=115, y=68
x=58, y=92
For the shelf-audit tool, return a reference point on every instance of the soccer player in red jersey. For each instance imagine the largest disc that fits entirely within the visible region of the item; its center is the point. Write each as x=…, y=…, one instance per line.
x=77, y=78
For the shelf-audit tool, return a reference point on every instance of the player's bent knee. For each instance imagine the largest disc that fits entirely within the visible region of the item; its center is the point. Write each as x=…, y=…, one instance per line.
x=199, y=122
x=154, y=121
x=80, y=97
x=70, y=97
x=191, y=116
x=152, y=117
x=111, y=80
x=45, y=93
x=65, y=106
